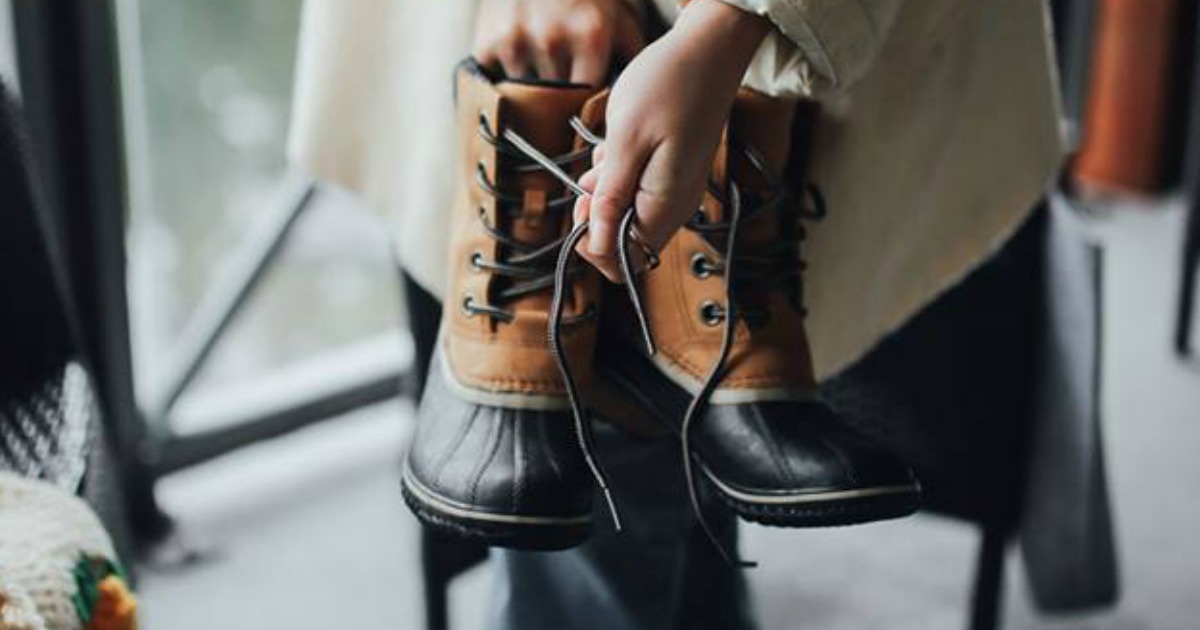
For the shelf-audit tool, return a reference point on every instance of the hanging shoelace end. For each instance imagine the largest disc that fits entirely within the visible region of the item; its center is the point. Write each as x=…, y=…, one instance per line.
x=731, y=559
x=651, y=349
x=561, y=275
x=612, y=509
x=729, y=555
x=630, y=233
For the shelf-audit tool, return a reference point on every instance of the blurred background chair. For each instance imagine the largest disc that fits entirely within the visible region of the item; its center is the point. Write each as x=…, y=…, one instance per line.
x=992, y=393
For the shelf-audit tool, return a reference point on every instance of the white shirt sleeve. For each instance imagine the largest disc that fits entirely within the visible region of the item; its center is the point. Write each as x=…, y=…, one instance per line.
x=818, y=47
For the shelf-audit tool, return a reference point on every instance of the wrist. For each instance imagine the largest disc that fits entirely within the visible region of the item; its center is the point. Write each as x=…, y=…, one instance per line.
x=732, y=34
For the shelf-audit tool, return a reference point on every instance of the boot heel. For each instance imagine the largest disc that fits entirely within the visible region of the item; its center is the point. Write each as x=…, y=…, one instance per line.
x=524, y=533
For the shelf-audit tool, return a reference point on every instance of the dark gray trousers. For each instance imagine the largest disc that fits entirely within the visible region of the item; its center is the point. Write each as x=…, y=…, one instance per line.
x=660, y=573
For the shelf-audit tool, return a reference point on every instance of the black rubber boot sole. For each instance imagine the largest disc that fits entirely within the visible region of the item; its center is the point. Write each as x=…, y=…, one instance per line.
x=634, y=376
x=823, y=509
x=509, y=531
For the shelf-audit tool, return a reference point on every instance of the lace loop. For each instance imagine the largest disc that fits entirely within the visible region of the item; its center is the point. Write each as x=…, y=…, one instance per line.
x=529, y=267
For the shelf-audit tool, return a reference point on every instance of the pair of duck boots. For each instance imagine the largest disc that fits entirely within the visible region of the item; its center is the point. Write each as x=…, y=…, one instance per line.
x=497, y=457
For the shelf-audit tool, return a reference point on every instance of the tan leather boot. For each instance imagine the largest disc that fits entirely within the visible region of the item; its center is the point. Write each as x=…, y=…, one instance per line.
x=748, y=406
x=495, y=456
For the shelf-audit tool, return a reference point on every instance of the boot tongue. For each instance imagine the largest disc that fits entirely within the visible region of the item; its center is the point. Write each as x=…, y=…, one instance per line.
x=541, y=114
x=763, y=124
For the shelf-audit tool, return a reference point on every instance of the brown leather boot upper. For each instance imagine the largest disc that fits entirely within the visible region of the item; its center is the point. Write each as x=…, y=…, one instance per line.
x=685, y=296
x=494, y=323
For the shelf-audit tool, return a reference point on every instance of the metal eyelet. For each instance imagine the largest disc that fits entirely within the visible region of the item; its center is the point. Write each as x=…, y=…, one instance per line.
x=482, y=181
x=711, y=313
x=477, y=261
x=468, y=304
x=485, y=122
x=702, y=266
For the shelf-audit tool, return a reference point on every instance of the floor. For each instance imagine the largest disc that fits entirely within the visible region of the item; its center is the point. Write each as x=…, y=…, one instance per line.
x=329, y=544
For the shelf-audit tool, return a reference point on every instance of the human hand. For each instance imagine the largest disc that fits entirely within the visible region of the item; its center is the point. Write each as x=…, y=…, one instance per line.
x=556, y=40
x=663, y=124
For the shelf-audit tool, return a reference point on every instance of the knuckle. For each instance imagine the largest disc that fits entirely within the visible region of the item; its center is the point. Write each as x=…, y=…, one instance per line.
x=607, y=205
x=510, y=40
x=553, y=40
x=591, y=27
x=487, y=44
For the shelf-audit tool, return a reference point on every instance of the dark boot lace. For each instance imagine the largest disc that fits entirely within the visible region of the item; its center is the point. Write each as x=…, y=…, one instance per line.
x=533, y=267
x=525, y=268
x=747, y=275
x=559, y=275
x=767, y=267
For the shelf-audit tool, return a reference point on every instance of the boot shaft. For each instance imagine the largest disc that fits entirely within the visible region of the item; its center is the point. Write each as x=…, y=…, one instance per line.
x=502, y=188
x=507, y=217
x=686, y=294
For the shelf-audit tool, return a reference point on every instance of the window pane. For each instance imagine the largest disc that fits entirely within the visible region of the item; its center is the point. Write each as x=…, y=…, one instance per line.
x=208, y=88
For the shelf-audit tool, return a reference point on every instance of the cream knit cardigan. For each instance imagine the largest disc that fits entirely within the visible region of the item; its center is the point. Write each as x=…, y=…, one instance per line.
x=941, y=132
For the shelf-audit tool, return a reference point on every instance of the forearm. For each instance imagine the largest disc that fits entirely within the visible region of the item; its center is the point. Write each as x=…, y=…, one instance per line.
x=713, y=22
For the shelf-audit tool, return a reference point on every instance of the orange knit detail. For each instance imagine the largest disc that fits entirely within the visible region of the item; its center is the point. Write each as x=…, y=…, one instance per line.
x=116, y=607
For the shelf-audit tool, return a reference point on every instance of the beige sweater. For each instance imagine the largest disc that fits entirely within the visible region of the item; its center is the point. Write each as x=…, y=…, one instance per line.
x=941, y=132
x=819, y=47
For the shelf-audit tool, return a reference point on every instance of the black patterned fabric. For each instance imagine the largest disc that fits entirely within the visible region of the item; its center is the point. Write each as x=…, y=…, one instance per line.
x=45, y=433
x=47, y=404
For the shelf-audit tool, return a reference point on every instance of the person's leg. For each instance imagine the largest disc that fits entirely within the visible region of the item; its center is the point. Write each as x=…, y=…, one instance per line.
x=660, y=573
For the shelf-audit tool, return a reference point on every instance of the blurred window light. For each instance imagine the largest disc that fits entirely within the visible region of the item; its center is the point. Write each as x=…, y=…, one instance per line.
x=8, y=55
x=206, y=92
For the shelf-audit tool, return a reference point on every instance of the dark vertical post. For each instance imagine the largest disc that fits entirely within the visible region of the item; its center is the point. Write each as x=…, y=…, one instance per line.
x=67, y=56
x=1073, y=35
x=989, y=580
x=1191, y=241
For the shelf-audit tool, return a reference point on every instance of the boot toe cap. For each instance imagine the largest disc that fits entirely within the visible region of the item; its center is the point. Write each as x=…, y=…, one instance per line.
x=512, y=477
x=791, y=449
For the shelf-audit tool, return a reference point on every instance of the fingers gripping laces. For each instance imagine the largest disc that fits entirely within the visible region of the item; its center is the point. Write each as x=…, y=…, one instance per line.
x=628, y=227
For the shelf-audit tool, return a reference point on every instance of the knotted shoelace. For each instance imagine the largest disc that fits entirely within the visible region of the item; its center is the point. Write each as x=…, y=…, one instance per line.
x=778, y=265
